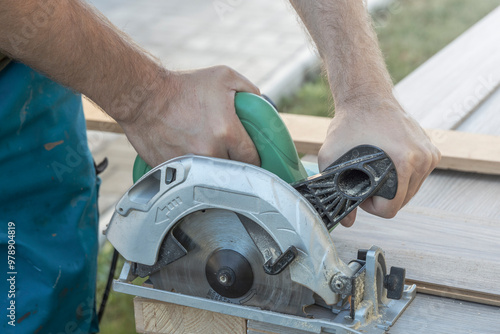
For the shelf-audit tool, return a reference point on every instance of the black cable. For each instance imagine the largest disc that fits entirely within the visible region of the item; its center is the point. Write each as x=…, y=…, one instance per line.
x=105, y=295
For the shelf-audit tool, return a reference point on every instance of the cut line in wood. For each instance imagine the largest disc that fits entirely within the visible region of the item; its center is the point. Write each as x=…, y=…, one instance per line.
x=434, y=246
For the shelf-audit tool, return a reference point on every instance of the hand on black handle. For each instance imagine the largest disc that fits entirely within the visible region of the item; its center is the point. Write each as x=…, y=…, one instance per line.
x=362, y=172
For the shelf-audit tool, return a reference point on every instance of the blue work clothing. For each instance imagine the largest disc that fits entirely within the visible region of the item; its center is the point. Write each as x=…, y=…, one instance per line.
x=48, y=192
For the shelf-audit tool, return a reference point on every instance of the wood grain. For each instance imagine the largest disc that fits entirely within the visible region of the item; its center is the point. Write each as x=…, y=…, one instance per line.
x=467, y=152
x=434, y=247
x=425, y=315
x=453, y=83
x=486, y=119
x=436, y=315
x=463, y=194
x=157, y=317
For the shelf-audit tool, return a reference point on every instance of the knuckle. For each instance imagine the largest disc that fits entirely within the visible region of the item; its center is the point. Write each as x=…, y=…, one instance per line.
x=404, y=168
x=224, y=70
x=437, y=155
x=224, y=133
x=419, y=160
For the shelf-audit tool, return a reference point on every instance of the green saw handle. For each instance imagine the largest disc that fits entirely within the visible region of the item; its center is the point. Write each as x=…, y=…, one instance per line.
x=268, y=132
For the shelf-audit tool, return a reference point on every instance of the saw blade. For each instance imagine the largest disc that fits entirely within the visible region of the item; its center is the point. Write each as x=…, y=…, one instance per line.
x=223, y=263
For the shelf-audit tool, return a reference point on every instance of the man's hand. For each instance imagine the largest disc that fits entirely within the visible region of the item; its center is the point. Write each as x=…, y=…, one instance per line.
x=394, y=131
x=163, y=113
x=366, y=111
x=193, y=113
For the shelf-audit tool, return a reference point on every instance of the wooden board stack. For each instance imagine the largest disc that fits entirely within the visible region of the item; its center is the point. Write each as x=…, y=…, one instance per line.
x=448, y=236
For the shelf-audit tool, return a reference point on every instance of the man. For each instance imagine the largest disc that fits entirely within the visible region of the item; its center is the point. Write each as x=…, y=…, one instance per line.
x=49, y=186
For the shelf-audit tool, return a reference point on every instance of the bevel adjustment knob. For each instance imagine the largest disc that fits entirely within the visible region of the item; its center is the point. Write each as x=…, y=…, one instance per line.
x=395, y=282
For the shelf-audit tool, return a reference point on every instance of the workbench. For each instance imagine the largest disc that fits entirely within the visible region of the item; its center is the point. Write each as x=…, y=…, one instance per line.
x=448, y=236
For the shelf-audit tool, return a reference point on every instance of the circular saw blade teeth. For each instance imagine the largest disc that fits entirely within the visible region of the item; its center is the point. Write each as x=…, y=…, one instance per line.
x=206, y=232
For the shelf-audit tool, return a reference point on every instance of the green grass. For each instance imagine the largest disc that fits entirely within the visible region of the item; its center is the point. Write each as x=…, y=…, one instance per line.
x=416, y=30
x=409, y=32
x=314, y=98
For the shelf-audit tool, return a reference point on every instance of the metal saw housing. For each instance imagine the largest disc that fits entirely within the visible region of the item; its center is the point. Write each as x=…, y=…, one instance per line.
x=179, y=187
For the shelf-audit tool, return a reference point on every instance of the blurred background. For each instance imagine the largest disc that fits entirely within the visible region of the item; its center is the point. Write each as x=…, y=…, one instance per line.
x=264, y=41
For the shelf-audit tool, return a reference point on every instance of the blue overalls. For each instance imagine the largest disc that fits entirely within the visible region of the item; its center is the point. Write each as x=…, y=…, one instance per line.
x=48, y=196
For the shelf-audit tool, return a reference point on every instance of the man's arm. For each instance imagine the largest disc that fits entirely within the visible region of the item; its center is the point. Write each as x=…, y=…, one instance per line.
x=164, y=114
x=366, y=112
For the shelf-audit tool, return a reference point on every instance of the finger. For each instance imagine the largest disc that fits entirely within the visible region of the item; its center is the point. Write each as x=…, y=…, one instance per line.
x=216, y=151
x=242, y=84
x=385, y=208
x=239, y=145
x=242, y=148
x=349, y=219
x=417, y=181
x=415, y=190
x=414, y=185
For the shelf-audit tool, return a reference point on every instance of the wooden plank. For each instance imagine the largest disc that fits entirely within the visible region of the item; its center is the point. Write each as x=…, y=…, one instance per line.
x=464, y=194
x=98, y=120
x=435, y=315
x=157, y=317
x=467, y=152
x=485, y=119
x=455, y=293
x=435, y=247
x=426, y=314
x=308, y=132
x=453, y=83
x=460, y=151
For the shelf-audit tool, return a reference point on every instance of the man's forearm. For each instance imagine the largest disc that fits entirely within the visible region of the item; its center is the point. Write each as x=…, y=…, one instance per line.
x=348, y=47
x=74, y=45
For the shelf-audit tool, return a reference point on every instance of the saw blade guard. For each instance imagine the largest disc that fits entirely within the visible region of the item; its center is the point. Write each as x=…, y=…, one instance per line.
x=175, y=189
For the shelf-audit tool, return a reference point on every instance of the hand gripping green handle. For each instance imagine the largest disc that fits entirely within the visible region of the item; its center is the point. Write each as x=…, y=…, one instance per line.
x=268, y=132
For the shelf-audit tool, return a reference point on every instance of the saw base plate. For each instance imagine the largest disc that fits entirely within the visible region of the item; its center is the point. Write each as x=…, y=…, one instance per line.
x=318, y=321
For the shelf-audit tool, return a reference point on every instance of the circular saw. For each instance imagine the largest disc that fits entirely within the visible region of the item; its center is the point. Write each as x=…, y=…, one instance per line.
x=254, y=241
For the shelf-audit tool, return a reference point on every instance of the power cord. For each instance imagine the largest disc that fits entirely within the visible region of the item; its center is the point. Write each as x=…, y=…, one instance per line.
x=111, y=275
